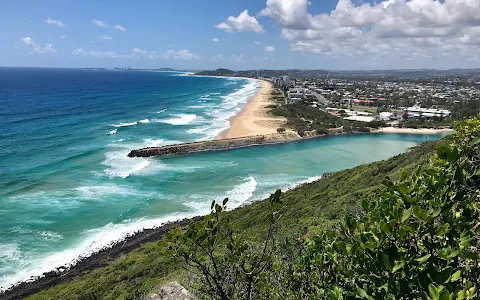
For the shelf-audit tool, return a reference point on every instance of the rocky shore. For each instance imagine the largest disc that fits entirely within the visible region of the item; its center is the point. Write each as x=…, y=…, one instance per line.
x=100, y=259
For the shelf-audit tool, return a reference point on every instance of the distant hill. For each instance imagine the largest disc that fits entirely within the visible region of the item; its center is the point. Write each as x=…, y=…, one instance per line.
x=298, y=73
x=217, y=72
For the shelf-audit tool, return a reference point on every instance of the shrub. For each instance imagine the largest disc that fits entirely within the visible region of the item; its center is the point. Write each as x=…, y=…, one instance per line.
x=280, y=130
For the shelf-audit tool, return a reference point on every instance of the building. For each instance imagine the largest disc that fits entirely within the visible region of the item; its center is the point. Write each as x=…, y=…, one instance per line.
x=298, y=93
x=385, y=116
x=417, y=112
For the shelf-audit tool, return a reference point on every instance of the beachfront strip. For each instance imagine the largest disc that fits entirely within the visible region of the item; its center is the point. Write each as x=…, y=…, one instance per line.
x=257, y=123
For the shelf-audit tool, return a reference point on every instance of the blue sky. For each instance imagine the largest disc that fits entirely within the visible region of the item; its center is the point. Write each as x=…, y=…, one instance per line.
x=207, y=34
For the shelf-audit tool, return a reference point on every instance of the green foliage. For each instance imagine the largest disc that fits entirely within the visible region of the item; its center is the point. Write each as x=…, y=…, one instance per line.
x=230, y=268
x=417, y=239
x=302, y=117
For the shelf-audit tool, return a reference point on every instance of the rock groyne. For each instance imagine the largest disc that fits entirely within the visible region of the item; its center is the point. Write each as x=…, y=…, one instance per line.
x=215, y=145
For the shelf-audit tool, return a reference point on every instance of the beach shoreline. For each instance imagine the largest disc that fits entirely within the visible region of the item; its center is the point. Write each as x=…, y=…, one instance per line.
x=253, y=119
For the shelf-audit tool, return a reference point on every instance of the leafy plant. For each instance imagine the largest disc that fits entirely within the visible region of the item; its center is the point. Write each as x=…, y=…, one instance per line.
x=230, y=268
x=417, y=239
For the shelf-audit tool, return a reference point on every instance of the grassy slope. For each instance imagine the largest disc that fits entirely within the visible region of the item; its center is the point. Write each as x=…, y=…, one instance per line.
x=309, y=208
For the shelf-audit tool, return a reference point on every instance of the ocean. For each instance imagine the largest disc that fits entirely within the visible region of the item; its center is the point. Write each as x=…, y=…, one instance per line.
x=68, y=189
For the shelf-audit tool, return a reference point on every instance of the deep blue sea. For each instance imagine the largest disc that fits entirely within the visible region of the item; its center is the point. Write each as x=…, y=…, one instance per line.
x=67, y=187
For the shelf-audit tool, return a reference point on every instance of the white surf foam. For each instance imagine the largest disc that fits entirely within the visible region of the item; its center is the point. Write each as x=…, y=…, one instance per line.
x=112, y=131
x=92, y=241
x=144, y=121
x=120, y=165
x=197, y=130
x=97, y=239
x=230, y=106
x=242, y=193
x=125, y=124
x=178, y=119
x=51, y=236
x=47, y=235
x=10, y=252
x=161, y=111
x=237, y=196
x=96, y=192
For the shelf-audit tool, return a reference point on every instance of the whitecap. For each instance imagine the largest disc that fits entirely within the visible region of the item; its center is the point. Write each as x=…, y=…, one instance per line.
x=178, y=119
x=112, y=132
x=153, y=142
x=161, y=111
x=125, y=124
x=10, y=252
x=120, y=165
x=144, y=121
x=197, y=130
x=96, y=192
x=51, y=236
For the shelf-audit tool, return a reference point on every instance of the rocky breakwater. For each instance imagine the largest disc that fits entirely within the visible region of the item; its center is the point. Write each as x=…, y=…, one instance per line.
x=215, y=145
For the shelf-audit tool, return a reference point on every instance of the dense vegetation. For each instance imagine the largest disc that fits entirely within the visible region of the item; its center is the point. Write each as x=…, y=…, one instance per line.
x=308, y=210
x=416, y=238
x=302, y=117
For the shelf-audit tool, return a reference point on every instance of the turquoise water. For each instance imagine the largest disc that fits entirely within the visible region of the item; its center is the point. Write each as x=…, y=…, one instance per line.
x=67, y=187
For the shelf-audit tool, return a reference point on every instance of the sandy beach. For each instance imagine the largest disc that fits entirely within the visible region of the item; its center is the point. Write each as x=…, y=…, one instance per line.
x=412, y=130
x=254, y=118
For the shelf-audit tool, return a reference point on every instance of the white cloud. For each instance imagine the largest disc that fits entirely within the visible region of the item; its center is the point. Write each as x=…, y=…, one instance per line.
x=63, y=37
x=237, y=58
x=387, y=30
x=257, y=42
x=242, y=23
x=104, y=37
x=153, y=55
x=121, y=28
x=215, y=40
x=138, y=51
x=15, y=47
x=99, y=23
x=217, y=58
x=79, y=51
x=269, y=49
x=180, y=55
x=48, y=48
x=99, y=54
x=54, y=22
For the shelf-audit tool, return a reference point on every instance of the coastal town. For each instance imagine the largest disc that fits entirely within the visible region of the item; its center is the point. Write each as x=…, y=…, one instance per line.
x=369, y=100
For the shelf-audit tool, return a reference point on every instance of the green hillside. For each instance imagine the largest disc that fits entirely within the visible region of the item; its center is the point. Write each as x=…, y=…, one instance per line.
x=309, y=208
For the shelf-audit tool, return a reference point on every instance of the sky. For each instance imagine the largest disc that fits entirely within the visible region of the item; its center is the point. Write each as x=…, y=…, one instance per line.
x=246, y=34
